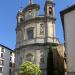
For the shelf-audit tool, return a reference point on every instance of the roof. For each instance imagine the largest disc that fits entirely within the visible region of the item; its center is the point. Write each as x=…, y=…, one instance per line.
x=6, y=47
x=65, y=11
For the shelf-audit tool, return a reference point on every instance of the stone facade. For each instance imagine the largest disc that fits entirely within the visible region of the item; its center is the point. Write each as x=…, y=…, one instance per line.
x=37, y=54
x=34, y=35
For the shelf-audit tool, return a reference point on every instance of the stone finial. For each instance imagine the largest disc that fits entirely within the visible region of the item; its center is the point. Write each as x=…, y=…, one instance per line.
x=30, y=1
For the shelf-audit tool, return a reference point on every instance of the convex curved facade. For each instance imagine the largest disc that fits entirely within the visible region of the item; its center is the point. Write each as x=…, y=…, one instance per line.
x=34, y=35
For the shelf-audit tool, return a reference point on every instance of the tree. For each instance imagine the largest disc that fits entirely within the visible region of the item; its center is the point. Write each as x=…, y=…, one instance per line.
x=28, y=68
x=50, y=65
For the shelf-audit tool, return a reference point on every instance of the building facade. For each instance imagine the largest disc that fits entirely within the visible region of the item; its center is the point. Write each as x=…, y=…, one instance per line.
x=7, y=60
x=68, y=23
x=35, y=34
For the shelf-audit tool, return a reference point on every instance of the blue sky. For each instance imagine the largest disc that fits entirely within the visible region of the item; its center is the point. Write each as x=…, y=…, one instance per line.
x=8, y=11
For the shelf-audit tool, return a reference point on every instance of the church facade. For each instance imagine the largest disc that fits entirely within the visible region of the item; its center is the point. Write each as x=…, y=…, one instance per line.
x=34, y=34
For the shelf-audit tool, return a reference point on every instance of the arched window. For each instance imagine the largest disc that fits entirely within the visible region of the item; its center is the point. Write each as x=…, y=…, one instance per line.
x=20, y=19
x=50, y=10
x=42, y=60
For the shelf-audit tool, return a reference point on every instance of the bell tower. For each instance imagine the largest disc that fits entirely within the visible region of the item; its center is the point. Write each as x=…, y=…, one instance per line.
x=49, y=8
x=50, y=20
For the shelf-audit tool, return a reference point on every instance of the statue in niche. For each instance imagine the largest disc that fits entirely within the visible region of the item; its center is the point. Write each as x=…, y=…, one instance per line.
x=41, y=29
x=30, y=57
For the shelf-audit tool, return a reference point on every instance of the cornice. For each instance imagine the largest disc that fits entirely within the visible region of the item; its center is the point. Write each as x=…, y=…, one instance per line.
x=36, y=20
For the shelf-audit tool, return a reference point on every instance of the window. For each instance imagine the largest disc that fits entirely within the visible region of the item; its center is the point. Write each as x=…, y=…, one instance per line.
x=50, y=10
x=10, y=64
x=1, y=55
x=42, y=60
x=0, y=69
x=20, y=19
x=9, y=71
x=10, y=58
x=30, y=33
x=10, y=53
x=1, y=62
x=30, y=12
x=2, y=50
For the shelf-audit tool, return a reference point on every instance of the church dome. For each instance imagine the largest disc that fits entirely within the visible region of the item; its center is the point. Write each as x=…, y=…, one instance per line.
x=31, y=7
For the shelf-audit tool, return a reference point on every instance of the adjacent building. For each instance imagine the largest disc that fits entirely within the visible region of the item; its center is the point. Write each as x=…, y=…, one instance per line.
x=68, y=24
x=7, y=60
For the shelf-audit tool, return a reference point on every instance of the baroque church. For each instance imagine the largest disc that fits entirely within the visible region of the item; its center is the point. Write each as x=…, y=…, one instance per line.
x=35, y=34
